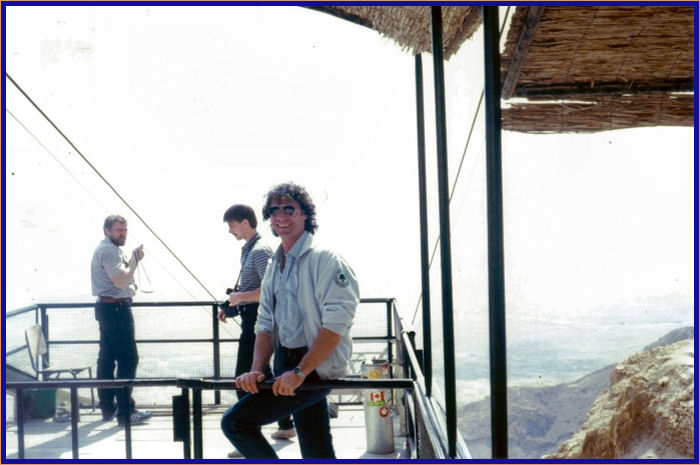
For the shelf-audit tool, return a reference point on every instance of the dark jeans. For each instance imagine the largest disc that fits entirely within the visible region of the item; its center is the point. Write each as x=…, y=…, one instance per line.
x=117, y=347
x=242, y=422
x=246, y=347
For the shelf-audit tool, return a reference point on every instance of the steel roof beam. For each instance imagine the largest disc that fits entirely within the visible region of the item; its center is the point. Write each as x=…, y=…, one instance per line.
x=526, y=34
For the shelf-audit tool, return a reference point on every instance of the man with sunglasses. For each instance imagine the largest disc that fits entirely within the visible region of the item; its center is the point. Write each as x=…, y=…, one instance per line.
x=255, y=255
x=307, y=305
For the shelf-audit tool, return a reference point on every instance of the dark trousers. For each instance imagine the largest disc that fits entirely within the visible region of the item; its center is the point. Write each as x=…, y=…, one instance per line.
x=244, y=360
x=242, y=422
x=117, y=349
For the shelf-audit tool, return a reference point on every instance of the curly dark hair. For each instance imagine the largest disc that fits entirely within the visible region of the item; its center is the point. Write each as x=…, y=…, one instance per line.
x=289, y=190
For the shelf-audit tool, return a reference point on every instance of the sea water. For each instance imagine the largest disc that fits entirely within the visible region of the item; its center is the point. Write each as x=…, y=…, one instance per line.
x=541, y=351
x=553, y=350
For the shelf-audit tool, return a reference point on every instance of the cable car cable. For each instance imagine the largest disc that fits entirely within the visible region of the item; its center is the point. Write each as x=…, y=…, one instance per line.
x=112, y=188
x=98, y=201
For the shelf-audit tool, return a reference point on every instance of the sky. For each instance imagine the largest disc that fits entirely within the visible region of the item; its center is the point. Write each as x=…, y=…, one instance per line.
x=188, y=110
x=197, y=115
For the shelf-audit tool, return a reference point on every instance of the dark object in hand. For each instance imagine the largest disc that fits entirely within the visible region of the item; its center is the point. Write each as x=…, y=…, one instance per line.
x=226, y=307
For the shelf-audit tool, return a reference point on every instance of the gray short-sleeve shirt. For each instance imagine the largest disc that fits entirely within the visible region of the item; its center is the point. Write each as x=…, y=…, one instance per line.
x=107, y=261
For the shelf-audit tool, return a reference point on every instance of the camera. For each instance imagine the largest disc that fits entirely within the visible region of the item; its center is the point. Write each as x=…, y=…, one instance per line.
x=226, y=307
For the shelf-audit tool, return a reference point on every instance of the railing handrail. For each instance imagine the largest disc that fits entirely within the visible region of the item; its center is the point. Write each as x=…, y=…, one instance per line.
x=343, y=383
x=19, y=311
x=402, y=334
x=205, y=384
x=136, y=303
x=413, y=358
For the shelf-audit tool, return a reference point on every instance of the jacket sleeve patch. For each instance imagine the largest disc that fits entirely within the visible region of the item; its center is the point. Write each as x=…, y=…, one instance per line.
x=341, y=280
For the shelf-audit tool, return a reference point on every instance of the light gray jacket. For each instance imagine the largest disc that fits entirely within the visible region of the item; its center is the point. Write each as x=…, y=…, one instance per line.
x=327, y=295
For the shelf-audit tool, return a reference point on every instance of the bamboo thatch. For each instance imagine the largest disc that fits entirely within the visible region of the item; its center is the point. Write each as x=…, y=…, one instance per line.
x=620, y=64
x=603, y=114
x=607, y=66
x=409, y=26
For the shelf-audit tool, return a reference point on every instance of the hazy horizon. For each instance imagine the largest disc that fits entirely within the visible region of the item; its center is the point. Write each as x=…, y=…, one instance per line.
x=189, y=109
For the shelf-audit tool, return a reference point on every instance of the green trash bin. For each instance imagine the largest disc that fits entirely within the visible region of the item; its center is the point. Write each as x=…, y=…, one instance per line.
x=40, y=403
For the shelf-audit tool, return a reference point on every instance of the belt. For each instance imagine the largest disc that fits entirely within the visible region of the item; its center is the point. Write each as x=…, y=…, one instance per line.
x=112, y=300
x=246, y=307
x=296, y=352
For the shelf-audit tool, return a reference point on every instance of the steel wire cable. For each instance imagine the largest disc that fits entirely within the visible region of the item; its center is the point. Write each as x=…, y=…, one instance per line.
x=99, y=202
x=119, y=196
x=459, y=170
x=89, y=192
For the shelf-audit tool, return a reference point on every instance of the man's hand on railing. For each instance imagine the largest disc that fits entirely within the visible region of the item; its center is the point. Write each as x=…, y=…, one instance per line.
x=249, y=381
x=286, y=384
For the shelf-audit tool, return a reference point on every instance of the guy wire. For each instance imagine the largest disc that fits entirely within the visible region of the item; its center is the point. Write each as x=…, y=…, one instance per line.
x=459, y=169
x=29, y=99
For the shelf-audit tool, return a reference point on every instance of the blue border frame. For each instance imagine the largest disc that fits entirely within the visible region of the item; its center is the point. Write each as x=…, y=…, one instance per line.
x=4, y=236
x=695, y=223
x=5, y=4
x=331, y=3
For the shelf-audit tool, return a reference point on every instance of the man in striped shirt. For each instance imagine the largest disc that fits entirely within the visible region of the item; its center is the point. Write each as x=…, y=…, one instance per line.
x=255, y=256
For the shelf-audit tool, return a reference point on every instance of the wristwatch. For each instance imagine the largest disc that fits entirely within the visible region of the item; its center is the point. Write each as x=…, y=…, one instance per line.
x=299, y=373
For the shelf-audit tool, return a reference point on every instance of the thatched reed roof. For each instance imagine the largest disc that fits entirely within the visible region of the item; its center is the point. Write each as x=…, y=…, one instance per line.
x=579, y=68
x=602, y=114
x=409, y=26
x=607, y=67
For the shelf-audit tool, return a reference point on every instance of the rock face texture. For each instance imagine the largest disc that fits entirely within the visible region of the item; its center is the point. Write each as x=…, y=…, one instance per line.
x=647, y=412
x=541, y=418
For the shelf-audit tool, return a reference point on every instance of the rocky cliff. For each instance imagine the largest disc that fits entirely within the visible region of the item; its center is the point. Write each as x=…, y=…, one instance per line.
x=539, y=418
x=647, y=412
x=542, y=418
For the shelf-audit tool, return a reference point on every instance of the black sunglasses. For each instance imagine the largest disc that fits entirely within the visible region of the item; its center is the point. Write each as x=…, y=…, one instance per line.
x=287, y=209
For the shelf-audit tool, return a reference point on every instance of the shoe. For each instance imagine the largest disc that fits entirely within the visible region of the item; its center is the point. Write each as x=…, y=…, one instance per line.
x=284, y=434
x=62, y=415
x=106, y=416
x=137, y=418
x=234, y=454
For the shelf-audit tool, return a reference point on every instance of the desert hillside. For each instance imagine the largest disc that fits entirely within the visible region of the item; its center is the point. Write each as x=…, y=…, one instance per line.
x=647, y=412
x=540, y=419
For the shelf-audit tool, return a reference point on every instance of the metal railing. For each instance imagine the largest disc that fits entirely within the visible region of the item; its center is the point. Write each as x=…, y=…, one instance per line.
x=422, y=419
x=190, y=436
x=44, y=311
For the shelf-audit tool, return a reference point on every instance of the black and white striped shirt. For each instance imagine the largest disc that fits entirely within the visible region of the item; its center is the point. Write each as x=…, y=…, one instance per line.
x=254, y=259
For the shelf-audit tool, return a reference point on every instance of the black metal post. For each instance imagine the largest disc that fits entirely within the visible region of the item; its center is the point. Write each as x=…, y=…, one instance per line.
x=408, y=372
x=20, y=423
x=402, y=348
x=186, y=447
x=45, y=330
x=197, y=423
x=127, y=423
x=181, y=421
x=445, y=244
x=494, y=195
x=416, y=427
x=423, y=211
x=389, y=335
x=74, y=417
x=217, y=351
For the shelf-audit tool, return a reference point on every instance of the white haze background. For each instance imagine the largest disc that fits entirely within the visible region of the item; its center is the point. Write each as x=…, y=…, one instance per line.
x=187, y=110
